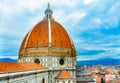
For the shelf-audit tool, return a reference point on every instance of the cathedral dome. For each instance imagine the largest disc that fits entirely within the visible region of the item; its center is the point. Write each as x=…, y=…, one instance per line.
x=47, y=34
x=39, y=37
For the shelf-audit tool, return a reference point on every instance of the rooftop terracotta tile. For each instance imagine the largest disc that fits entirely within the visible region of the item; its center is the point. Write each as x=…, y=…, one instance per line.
x=38, y=36
x=19, y=66
x=64, y=74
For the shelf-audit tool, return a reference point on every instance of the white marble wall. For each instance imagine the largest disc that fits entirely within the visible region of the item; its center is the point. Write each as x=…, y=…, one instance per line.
x=32, y=78
x=53, y=65
x=64, y=81
x=52, y=62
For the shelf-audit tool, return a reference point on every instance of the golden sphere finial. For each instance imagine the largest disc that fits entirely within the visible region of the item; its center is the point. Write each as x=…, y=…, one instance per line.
x=48, y=2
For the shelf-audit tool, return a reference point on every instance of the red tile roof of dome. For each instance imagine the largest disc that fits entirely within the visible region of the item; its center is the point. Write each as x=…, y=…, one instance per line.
x=38, y=36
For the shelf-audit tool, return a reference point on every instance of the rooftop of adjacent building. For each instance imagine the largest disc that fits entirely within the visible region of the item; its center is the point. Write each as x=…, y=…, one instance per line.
x=19, y=66
x=84, y=73
x=25, y=66
x=85, y=80
x=64, y=74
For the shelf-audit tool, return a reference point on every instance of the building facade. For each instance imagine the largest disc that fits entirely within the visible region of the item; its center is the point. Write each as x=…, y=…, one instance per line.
x=49, y=46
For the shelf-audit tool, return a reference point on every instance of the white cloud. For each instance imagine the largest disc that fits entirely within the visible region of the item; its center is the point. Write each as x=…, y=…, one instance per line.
x=97, y=21
x=76, y=16
x=73, y=17
x=65, y=3
x=19, y=6
x=82, y=57
x=87, y=2
x=107, y=43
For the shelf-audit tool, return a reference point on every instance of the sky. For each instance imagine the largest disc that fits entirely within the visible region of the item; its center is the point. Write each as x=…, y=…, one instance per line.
x=94, y=25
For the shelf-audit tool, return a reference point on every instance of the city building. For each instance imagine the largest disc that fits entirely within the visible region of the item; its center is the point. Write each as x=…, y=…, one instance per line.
x=84, y=75
x=47, y=55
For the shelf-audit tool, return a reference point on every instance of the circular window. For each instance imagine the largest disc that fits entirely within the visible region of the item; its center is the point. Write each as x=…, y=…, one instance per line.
x=58, y=81
x=37, y=61
x=61, y=62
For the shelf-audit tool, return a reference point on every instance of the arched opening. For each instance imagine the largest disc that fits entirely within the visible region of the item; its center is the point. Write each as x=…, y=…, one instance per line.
x=69, y=81
x=61, y=61
x=63, y=81
x=43, y=80
x=37, y=61
x=57, y=81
